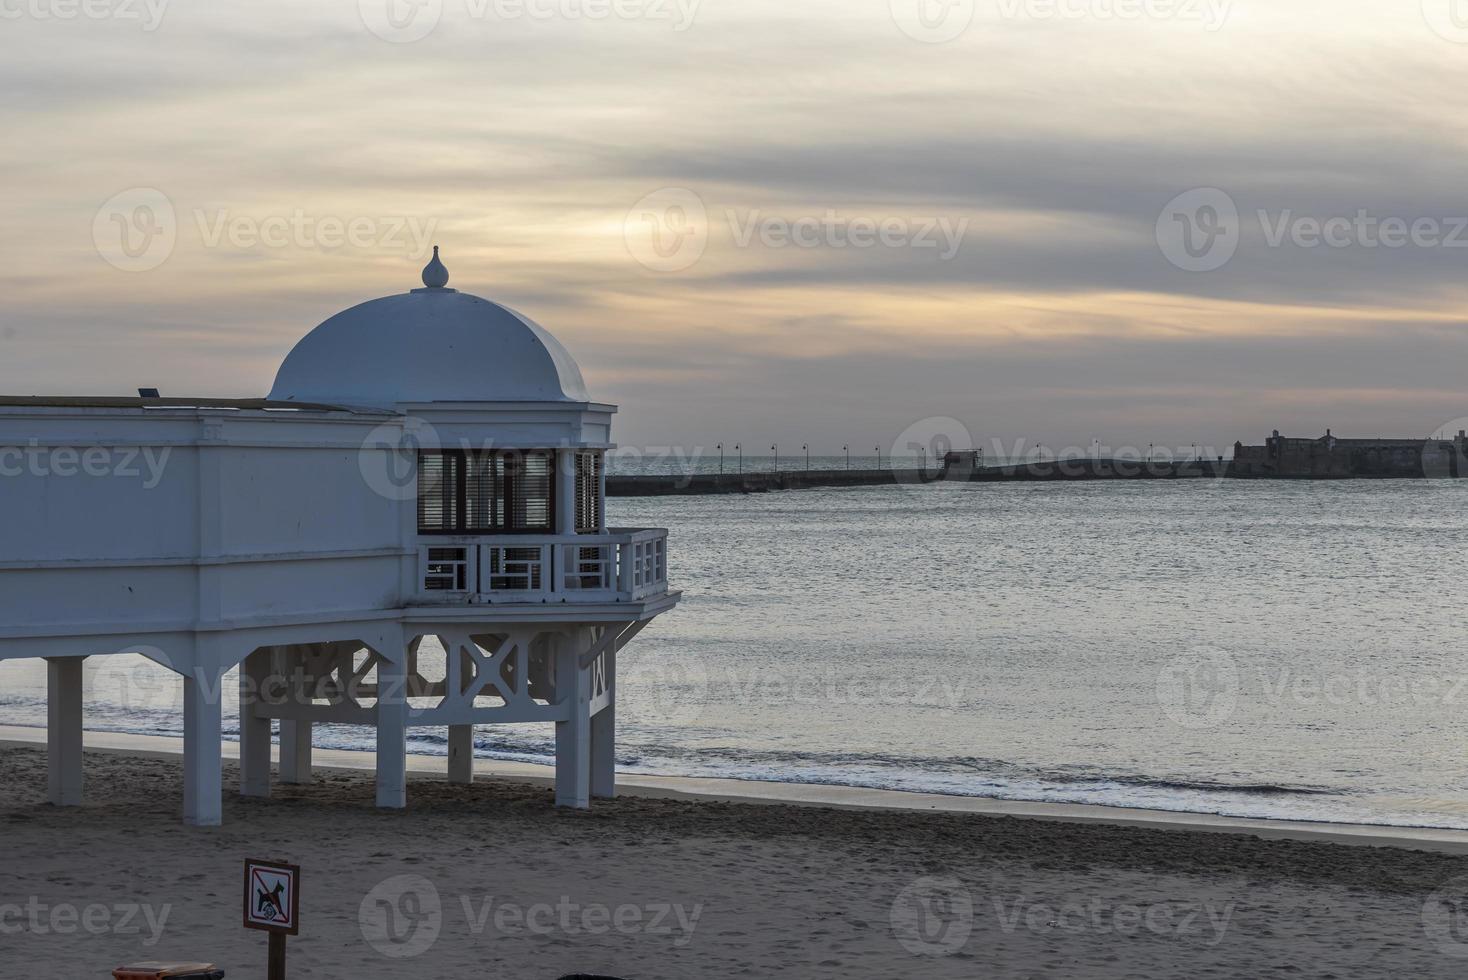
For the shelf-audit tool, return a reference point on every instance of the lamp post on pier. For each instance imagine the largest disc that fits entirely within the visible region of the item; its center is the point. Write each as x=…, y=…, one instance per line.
x=721, y=458
x=847, y=451
x=879, y=456
x=806, y=447
x=775, y=458
x=740, y=450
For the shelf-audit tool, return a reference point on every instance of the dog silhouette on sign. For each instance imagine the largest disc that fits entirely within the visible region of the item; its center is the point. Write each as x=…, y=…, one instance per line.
x=268, y=904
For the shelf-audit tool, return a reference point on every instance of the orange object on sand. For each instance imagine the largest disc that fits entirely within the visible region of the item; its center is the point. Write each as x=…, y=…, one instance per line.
x=168, y=971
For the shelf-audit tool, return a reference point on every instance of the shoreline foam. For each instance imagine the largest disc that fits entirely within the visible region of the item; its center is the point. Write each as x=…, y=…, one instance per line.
x=846, y=797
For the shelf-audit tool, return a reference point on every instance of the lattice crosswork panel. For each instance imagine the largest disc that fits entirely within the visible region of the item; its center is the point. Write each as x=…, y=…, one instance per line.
x=482, y=670
x=447, y=570
x=649, y=563
x=592, y=567
x=515, y=569
x=331, y=682
x=485, y=678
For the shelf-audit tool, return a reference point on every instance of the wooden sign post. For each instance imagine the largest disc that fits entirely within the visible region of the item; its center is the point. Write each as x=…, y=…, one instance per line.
x=273, y=904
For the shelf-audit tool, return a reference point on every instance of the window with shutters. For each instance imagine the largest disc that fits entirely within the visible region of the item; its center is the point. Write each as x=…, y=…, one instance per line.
x=588, y=490
x=484, y=491
x=438, y=480
x=531, y=499
x=500, y=492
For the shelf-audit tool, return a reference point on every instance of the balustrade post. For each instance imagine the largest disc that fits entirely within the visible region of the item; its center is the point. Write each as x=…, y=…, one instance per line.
x=626, y=556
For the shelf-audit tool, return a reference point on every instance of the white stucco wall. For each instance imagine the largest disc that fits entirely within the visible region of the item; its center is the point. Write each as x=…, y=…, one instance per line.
x=124, y=520
x=121, y=525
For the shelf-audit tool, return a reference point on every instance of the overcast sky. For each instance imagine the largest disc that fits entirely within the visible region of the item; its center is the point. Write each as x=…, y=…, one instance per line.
x=766, y=220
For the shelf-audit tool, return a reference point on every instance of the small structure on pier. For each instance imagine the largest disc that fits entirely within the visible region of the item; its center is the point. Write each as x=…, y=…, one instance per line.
x=409, y=531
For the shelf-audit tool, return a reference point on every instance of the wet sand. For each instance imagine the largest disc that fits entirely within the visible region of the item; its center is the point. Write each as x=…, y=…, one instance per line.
x=493, y=881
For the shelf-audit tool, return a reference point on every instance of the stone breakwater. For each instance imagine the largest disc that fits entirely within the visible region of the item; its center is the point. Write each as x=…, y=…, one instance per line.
x=1034, y=470
x=703, y=483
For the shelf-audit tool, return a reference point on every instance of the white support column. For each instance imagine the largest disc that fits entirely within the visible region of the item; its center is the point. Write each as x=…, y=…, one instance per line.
x=254, y=730
x=295, y=752
x=392, y=732
x=203, y=782
x=64, y=730
x=565, y=491
x=604, y=734
x=461, y=754
x=573, y=736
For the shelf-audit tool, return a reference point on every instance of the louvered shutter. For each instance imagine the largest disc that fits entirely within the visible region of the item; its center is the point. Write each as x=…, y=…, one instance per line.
x=588, y=487
x=438, y=506
x=532, y=504
x=485, y=489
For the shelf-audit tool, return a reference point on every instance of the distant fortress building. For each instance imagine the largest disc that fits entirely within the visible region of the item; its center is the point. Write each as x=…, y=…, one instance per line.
x=1330, y=457
x=409, y=531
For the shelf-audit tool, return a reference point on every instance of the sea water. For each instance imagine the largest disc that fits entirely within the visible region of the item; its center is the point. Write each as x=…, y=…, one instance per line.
x=1271, y=649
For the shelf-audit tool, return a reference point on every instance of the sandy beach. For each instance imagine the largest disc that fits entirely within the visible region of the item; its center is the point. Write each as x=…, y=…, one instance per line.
x=493, y=881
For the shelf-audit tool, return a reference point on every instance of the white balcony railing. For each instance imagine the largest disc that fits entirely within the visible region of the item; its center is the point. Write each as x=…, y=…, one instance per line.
x=623, y=565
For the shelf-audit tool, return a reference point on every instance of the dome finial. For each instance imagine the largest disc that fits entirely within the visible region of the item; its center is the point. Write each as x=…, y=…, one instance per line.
x=435, y=274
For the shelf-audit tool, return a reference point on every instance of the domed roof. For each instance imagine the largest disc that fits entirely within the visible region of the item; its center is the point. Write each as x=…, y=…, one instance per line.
x=429, y=345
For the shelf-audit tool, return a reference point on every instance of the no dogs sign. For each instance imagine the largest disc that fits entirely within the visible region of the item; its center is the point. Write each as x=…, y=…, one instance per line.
x=273, y=897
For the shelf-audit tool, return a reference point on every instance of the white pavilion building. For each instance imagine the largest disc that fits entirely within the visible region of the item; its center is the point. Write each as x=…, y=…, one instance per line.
x=410, y=530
